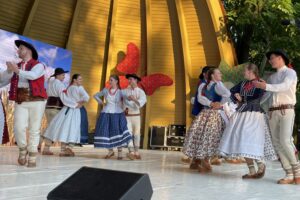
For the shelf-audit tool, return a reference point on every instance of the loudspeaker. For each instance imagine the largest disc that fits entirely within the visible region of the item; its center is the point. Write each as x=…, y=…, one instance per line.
x=102, y=184
x=177, y=130
x=175, y=141
x=158, y=136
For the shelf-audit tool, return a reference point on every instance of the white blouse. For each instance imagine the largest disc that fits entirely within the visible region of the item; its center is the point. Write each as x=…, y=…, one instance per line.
x=84, y=96
x=77, y=93
x=140, y=95
x=113, y=100
x=56, y=89
x=282, y=86
x=220, y=90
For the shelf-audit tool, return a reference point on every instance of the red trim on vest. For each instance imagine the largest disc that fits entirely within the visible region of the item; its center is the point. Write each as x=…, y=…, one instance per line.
x=37, y=87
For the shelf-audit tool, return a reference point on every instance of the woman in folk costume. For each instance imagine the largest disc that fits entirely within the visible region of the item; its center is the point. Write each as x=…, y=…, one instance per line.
x=248, y=133
x=196, y=109
x=57, y=99
x=66, y=125
x=111, y=127
x=203, y=137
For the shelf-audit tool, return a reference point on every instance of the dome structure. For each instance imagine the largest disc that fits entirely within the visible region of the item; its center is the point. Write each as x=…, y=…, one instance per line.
x=175, y=37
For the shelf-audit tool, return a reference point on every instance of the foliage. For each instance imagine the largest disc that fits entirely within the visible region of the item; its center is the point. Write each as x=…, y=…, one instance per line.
x=231, y=74
x=255, y=26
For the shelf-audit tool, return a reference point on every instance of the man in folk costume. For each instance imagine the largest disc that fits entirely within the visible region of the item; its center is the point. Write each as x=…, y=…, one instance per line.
x=27, y=90
x=57, y=98
x=134, y=100
x=282, y=85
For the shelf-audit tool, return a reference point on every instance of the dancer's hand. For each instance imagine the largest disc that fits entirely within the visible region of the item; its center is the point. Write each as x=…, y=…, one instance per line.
x=260, y=84
x=134, y=99
x=9, y=66
x=131, y=98
x=100, y=102
x=238, y=97
x=79, y=105
x=216, y=105
x=12, y=67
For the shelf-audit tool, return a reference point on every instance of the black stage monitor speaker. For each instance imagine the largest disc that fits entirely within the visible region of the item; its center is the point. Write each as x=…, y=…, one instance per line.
x=102, y=184
x=177, y=130
x=158, y=136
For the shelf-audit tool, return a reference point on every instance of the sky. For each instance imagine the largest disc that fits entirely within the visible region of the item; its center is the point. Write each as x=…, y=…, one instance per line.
x=51, y=56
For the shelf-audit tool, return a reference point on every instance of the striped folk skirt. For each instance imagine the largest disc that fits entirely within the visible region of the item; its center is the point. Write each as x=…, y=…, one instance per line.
x=111, y=131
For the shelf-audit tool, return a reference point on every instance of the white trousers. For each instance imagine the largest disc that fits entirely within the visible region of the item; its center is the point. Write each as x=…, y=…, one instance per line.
x=281, y=125
x=28, y=115
x=134, y=127
x=50, y=114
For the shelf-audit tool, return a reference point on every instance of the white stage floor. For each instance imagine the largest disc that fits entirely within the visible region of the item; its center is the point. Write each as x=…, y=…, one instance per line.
x=169, y=177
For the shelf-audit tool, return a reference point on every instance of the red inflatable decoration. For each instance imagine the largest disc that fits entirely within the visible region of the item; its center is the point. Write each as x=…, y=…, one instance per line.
x=130, y=65
x=131, y=62
x=154, y=81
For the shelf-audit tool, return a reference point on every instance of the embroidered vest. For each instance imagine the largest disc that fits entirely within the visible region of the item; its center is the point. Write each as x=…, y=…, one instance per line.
x=212, y=95
x=197, y=107
x=36, y=86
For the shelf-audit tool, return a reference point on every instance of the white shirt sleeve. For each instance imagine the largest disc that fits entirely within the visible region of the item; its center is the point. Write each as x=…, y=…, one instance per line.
x=60, y=87
x=5, y=77
x=142, y=98
x=100, y=94
x=290, y=79
x=84, y=95
x=36, y=72
x=193, y=100
x=129, y=104
x=222, y=90
x=203, y=99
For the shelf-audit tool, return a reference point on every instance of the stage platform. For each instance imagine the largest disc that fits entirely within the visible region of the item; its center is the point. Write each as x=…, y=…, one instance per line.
x=170, y=178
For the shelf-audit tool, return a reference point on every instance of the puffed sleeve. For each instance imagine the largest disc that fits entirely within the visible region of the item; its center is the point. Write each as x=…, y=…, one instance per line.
x=142, y=98
x=289, y=80
x=67, y=101
x=222, y=90
x=201, y=98
x=235, y=89
x=84, y=96
x=100, y=94
x=36, y=72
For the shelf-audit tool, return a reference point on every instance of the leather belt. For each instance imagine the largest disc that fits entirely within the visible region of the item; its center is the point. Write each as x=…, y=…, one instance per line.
x=53, y=108
x=132, y=115
x=24, y=95
x=54, y=102
x=282, y=108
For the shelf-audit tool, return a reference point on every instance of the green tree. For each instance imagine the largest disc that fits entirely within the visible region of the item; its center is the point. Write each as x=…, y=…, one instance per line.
x=255, y=26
